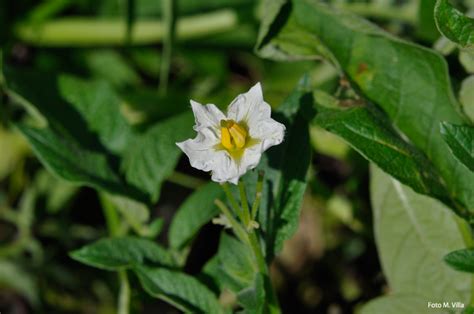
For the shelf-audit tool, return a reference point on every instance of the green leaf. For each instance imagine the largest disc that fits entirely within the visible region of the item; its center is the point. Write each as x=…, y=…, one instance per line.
x=99, y=106
x=413, y=233
x=38, y=92
x=252, y=298
x=369, y=132
x=195, y=212
x=183, y=291
x=237, y=261
x=409, y=82
x=462, y=260
x=152, y=156
x=453, y=24
x=460, y=139
x=122, y=252
x=71, y=162
x=396, y=304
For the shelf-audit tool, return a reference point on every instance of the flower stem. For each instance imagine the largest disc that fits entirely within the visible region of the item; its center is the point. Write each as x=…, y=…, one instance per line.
x=233, y=202
x=258, y=195
x=245, y=205
x=239, y=231
x=124, y=294
x=185, y=180
x=113, y=225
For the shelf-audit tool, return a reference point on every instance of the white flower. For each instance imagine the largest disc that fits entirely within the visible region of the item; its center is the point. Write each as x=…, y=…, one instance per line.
x=230, y=145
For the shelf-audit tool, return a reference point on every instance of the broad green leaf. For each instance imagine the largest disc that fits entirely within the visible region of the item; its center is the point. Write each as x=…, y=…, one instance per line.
x=413, y=233
x=369, y=132
x=397, y=304
x=195, y=212
x=99, y=106
x=285, y=168
x=215, y=276
x=38, y=92
x=71, y=162
x=122, y=252
x=453, y=24
x=409, y=82
x=233, y=267
x=236, y=260
x=462, y=260
x=152, y=156
x=460, y=139
x=183, y=291
x=253, y=298
x=88, y=111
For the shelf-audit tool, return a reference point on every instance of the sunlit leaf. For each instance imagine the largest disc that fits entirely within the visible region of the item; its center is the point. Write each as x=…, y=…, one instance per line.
x=413, y=233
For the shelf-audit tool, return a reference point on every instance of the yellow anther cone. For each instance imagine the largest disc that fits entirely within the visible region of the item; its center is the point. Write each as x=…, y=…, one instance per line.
x=233, y=136
x=238, y=135
x=226, y=139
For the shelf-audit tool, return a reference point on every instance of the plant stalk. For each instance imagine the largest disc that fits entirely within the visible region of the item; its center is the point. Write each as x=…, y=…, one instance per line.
x=83, y=32
x=113, y=226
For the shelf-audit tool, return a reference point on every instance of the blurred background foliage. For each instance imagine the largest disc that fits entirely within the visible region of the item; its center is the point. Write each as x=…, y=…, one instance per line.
x=329, y=266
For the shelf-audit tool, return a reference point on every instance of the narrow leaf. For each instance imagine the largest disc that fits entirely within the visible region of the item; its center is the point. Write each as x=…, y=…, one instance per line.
x=460, y=139
x=462, y=260
x=370, y=133
x=179, y=289
x=196, y=211
x=119, y=253
x=71, y=162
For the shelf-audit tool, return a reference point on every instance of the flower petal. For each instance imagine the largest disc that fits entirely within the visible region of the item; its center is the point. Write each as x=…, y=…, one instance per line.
x=249, y=107
x=225, y=169
x=200, y=150
x=268, y=131
x=208, y=116
x=250, y=159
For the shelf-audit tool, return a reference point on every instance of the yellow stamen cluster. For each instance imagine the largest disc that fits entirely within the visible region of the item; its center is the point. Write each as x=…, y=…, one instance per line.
x=233, y=135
